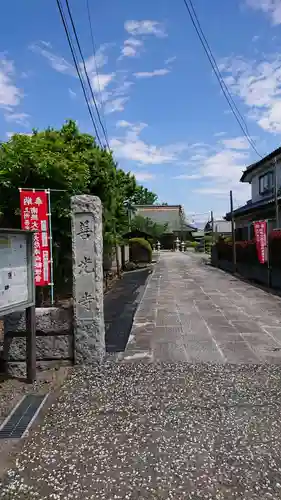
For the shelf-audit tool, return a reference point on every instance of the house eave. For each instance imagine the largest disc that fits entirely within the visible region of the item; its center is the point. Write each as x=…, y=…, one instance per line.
x=251, y=169
x=251, y=208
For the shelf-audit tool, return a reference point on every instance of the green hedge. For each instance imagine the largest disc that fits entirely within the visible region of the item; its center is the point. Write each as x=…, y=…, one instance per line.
x=141, y=250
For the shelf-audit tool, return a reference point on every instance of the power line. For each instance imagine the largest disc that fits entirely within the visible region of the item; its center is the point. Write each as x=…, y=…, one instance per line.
x=216, y=66
x=211, y=58
x=86, y=72
x=96, y=66
x=77, y=68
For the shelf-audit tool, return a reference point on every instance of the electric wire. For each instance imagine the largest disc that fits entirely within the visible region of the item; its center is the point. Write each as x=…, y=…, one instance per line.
x=216, y=66
x=66, y=29
x=95, y=62
x=86, y=72
x=211, y=58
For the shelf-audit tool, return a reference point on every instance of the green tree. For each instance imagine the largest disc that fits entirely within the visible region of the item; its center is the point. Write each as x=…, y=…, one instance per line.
x=143, y=196
x=68, y=162
x=147, y=225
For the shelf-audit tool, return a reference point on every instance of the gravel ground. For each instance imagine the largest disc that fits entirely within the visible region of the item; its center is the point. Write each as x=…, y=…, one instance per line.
x=174, y=428
x=157, y=431
x=11, y=390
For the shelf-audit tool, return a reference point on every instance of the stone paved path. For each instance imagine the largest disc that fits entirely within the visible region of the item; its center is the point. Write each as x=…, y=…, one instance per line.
x=196, y=313
x=161, y=424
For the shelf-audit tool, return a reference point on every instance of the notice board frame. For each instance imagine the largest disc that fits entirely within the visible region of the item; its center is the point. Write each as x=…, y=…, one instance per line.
x=27, y=305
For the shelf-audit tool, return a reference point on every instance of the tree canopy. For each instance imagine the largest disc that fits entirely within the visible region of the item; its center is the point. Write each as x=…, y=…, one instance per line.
x=68, y=162
x=147, y=225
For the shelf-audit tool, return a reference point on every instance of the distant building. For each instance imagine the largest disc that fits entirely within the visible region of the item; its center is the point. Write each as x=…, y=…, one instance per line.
x=221, y=227
x=173, y=216
x=264, y=176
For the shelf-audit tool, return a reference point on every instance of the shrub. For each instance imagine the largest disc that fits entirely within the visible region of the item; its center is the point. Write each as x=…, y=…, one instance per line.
x=246, y=251
x=141, y=250
x=193, y=244
x=274, y=245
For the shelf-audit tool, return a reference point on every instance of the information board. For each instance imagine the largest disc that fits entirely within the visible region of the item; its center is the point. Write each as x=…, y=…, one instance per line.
x=16, y=274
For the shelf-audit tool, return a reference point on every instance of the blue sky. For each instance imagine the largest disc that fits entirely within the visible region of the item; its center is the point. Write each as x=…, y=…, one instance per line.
x=167, y=120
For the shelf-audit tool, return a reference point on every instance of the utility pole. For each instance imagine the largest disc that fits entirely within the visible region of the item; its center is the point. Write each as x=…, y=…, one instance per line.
x=276, y=193
x=181, y=222
x=212, y=226
x=233, y=232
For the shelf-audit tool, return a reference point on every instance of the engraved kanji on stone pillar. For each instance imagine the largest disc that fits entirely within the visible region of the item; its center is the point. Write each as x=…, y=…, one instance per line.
x=87, y=250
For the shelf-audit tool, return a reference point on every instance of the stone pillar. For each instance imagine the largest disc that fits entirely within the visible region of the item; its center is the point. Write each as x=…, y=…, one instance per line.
x=87, y=251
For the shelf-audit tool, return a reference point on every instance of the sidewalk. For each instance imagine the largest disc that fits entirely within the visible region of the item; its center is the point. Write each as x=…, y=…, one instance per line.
x=161, y=427
x=193, y=312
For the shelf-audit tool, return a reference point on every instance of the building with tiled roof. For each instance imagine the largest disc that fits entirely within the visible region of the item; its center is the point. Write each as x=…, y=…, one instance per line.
x=173, y=216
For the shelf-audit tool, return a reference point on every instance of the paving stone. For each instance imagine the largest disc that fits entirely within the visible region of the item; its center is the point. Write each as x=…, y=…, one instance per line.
x=169, y=351
x=167, y=320
x=222, y=329
x=224, y=335
x=210, y=303
x=239, y=352
x=260, y=338
x=203, y=352
x=246, y=326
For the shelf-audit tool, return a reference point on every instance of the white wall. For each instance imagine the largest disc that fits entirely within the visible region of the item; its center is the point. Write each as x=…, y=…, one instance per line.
x=256, y=196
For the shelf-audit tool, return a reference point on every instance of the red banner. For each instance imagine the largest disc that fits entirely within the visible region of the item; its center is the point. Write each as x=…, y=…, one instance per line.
x=34, y=217
x=260, y=228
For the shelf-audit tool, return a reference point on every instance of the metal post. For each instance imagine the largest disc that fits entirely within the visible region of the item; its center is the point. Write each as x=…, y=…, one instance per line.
x=51, y=247
x=233, y=233
x=276, y=193
x=31, y=344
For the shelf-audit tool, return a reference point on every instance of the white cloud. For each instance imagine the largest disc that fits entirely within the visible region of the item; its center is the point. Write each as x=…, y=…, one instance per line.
x=188, y=176
x=258, y=84
x=131, y=147
x=170, y=60
x=151, y=74
x=46, y=44
x=101, y=81
x=116, y=98
x=129, y=51
x=19, y=118
x=99, y=59
x=134, y=42
x=114, y=105
x=270, y=7
x=57, y=62
x=146, y=27
x=113, y=99
x=236, y=143
x=144, y=176
x=218, y=169
x=61, y=65
x=10, y=94
x=255, y=38
x=123, y=123
x=131, y=48
x=219, y=134
x=72, y=94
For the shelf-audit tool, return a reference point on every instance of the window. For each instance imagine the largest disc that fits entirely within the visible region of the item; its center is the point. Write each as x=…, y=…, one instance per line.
x=266, y=183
